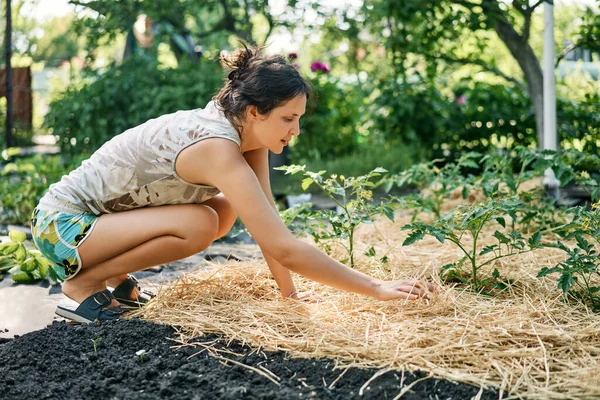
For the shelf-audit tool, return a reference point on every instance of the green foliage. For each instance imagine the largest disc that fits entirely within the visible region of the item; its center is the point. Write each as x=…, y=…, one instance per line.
x=22, y=184
x=463, y=225
x=353, y=198
x=478, y=117
x=86, y=116
x=579, y=123
x=440, y=182
x=329, y=129
x=25, y=266
x=407, y=113
x=577, y=274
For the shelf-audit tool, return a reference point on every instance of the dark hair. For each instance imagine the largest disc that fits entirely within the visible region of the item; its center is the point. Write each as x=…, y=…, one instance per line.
x=266, y=82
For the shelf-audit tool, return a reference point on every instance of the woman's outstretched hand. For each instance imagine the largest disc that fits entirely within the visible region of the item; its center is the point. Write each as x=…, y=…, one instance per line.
x=410, y=289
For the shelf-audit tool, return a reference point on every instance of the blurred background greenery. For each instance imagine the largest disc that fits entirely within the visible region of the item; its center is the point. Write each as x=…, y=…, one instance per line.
x=396, y=82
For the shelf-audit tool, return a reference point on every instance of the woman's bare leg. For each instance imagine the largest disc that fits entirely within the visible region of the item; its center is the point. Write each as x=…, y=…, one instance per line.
x=134, y=240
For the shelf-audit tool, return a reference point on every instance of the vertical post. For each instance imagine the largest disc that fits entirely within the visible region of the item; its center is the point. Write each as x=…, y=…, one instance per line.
x=550, y=139
x=551, y=184
x=9, y=79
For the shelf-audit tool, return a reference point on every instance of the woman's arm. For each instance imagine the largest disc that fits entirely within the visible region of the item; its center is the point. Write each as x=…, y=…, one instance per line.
x=218, y=162
x=258, y=160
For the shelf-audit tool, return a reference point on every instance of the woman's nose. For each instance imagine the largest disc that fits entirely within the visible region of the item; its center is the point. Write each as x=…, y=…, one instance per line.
x=296, y=129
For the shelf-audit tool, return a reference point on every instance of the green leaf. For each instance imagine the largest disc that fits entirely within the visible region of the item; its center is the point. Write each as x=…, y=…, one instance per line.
x=501, y=237
x=465, y=192
x=29, y=265
x=370, y=252
x=389, y=213
x=501, y=221
x=387, y=186
x=413, y=237
x=380, y=170
x=565, y=281
x=8, y=248
x=17, y=236
x=306, y=183
x=496, y=273
x=582, y=243
x=470, y=164
x=21, y=254
x=535, y=239
x=488, y=249
x=438, y=235
x=22, y=277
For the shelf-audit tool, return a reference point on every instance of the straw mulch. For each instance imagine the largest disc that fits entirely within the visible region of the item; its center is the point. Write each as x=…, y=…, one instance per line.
x=526, y=342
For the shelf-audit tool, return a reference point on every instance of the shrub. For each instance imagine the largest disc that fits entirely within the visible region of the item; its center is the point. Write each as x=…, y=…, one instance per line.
x=89, y=114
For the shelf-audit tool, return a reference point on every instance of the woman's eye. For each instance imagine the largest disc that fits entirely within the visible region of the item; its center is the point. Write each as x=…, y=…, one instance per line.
x=288, y=119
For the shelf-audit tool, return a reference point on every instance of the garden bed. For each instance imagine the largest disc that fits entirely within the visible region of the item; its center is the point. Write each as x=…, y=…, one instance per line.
x=63, y=362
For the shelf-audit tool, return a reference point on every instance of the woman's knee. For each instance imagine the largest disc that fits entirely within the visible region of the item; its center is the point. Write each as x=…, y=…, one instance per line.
x=201, y=227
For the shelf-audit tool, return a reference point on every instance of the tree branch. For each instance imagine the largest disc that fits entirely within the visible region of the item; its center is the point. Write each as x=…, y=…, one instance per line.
x=566, y=50
x=517, y=5
x=533, y=7
x=484, y=66
x=526, y=27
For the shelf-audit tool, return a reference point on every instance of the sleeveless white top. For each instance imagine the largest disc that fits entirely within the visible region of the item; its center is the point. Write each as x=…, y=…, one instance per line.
x=137, y=168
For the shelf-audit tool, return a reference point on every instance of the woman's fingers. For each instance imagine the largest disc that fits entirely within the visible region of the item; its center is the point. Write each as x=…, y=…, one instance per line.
x=410, y=289
x=422, y=285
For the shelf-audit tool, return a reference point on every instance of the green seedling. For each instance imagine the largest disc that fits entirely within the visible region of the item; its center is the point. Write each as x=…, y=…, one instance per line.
x=353, y=197
x=577, y=274
x=95, y=342
x=141, y=354
x=463, y=226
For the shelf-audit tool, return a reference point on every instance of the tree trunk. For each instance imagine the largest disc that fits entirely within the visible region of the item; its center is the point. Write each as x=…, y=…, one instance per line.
x=523, y=53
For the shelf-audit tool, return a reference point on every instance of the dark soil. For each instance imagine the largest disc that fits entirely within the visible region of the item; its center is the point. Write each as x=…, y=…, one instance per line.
x=59, y=362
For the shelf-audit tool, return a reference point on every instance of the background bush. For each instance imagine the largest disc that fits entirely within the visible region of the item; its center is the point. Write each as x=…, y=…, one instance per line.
x=87, y=115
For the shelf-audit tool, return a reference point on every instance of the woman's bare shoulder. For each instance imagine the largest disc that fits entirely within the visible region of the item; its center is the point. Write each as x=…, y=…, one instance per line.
x=198, y=161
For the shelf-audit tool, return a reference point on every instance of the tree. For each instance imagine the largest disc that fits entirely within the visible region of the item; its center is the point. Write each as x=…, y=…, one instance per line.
x=181, y=24
x=455, y=31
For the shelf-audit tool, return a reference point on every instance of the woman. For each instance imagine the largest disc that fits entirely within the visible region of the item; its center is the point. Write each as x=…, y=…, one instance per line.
x=166, y=189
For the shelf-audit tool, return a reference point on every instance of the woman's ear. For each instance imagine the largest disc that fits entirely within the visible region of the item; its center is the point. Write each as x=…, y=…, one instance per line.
x=252, y=113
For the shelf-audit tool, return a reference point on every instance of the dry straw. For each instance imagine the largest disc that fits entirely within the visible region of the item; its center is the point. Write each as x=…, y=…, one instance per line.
x=526, y=342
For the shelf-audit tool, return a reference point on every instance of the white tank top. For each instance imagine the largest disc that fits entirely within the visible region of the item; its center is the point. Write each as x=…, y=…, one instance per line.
x=137, y=168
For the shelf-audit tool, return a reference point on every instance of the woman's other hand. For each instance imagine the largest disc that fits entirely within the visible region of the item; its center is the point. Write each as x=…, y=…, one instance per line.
x=308, y=296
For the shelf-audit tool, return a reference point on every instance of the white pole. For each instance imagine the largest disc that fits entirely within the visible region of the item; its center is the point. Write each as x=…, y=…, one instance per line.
x=550, y=141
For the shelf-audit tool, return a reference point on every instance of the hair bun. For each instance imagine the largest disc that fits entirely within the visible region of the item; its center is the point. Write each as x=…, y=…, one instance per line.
x=239, y=60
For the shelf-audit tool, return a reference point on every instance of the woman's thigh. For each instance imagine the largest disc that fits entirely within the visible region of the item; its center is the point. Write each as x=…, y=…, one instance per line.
x=117, y=233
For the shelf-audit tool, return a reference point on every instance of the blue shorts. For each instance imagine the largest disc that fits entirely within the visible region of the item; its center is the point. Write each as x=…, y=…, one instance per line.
x=58, y=235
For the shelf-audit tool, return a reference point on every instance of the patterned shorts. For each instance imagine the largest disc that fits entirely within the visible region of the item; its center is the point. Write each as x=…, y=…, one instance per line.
x=58, y=235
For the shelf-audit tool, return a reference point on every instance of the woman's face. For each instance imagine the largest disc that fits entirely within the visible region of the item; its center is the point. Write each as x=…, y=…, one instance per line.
x=276, y=129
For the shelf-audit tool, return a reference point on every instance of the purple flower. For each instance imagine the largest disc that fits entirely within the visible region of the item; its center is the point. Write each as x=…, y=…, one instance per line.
x=319, y=66
x=292, y=56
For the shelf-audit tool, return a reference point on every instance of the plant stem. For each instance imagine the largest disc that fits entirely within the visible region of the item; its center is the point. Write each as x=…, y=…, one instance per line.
x=351, y=239
x=473, y=262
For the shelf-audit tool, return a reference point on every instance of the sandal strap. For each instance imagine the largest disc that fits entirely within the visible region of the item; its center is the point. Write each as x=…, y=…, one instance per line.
x=124, y=289
x=123, y=293
x=99, y=307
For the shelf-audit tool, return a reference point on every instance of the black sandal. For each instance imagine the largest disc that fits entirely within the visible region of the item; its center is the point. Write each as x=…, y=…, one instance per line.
x=123, y=293
x=97, y=307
